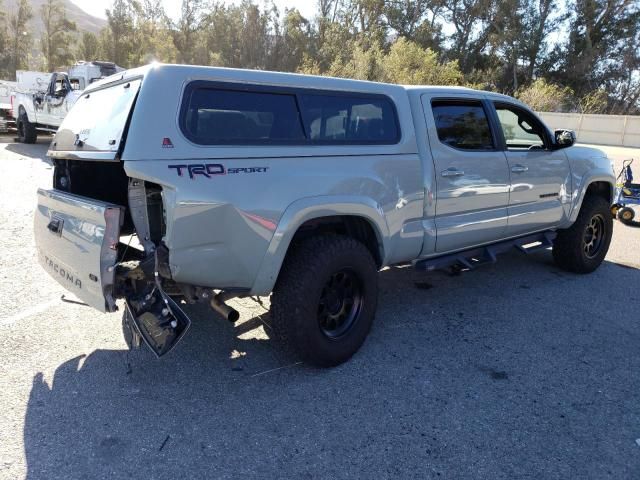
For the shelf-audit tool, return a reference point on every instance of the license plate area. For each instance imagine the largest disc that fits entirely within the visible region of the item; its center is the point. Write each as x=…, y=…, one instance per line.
x=77, y=241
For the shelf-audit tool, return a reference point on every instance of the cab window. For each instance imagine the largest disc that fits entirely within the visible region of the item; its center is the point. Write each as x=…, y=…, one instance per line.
x=463, y=124
x=521, y=130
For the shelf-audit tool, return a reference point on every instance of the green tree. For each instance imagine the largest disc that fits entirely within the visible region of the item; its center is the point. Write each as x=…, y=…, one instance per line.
x=117, y=40
x=364, y=64
x=4, y=44
x=543, y=96
x=416, y=20
x=538, y=24
x=408, y=63
x=20, y=40
x=601, y=34
x=56, y=38
x=594, y=102
x=89, y=47
x=152, y=34
x=296, y=39
x=186, y=30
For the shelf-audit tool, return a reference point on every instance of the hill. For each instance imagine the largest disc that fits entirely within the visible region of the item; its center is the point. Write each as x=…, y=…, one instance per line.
x=84, y=21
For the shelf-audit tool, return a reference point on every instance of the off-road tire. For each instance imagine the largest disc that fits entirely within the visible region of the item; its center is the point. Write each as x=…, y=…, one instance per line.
x=570, y=246
x=26, y=130
x=626, y=215
x=297, y=316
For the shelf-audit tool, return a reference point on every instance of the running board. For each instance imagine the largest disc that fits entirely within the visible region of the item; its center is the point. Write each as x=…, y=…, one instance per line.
x=470, y=259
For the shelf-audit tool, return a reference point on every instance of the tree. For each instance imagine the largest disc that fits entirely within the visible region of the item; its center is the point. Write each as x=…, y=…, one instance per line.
x=187, y=28
x=152, y=34
x=539, y=22
x=89, y=47
x=117, y=39
x=296, y=44
x=4, y=44
x=408, y=63
x=600, y=32
x=364, y=64
x=546, y=97
x=416, y=21
x=594, y=102
x=20, y=39
x=56, y=36
x=468, y=18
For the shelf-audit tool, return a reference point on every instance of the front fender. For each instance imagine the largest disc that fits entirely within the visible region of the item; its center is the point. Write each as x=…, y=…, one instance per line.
x=307, y=209
x=581, y=188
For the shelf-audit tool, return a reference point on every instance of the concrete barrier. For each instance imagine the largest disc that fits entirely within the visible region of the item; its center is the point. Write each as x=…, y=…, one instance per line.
x=616, y=130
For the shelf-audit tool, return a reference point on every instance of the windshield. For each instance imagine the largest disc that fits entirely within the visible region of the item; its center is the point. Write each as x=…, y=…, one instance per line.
x=97, y=121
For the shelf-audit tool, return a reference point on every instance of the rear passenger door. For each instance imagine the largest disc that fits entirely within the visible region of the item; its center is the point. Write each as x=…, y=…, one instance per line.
x=471, y=171
x=540, y=175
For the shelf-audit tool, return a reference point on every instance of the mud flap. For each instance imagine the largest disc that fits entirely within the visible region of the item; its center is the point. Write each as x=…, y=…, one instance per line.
x=159, y=321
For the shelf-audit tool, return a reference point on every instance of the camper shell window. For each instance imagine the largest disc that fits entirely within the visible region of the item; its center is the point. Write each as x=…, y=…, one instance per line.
x=214, y=113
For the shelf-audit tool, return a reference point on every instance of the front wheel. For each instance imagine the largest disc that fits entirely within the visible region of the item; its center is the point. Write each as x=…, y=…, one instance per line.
x=325, y=299
x=582, y=247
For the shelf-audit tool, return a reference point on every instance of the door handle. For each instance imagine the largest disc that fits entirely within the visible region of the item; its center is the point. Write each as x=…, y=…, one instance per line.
x=452, y=172
x=519, y=168
x=55, y=226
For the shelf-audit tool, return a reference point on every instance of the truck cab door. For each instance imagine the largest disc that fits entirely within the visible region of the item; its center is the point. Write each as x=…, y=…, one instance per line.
x=55, y=100
x=540, y=196
x=471, y=172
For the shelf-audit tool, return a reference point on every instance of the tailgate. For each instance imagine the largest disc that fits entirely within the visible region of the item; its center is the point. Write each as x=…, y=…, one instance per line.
x=77, y=241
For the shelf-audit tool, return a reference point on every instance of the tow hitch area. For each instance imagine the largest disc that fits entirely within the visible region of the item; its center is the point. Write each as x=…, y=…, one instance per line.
x=159, y=320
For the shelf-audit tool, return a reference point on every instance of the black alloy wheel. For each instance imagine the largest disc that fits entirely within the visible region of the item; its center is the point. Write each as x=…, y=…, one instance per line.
x=340, y=303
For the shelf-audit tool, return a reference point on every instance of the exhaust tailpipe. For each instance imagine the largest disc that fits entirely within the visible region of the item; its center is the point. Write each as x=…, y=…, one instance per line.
x=230, y=313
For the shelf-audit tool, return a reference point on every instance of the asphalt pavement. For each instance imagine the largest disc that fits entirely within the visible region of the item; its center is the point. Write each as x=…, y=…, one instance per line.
x=516, y=370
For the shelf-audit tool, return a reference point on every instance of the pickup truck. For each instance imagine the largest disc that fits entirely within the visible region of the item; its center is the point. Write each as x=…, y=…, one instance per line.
x=6, y=106
x=179, y=184
x=41, y=110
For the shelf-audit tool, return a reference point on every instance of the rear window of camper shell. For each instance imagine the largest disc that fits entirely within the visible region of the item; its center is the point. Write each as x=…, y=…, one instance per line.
x=216, y=113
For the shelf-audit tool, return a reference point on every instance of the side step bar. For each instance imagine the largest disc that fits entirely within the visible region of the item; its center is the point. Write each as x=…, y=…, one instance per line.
x=470, y=259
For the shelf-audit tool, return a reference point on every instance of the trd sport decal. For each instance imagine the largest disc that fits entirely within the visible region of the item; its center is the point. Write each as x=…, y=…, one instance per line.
x=209, y=170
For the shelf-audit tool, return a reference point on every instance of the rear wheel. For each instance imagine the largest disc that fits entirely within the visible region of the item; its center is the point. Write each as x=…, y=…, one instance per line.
x=325, y=299
x=582, y=247
x=626, y=215
x=26, y=130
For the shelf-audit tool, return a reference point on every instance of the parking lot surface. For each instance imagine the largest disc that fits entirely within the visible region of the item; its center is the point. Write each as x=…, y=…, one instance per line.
x=516, y=370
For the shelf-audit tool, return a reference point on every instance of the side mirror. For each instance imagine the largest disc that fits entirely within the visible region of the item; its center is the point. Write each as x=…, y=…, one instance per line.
x=565, y=138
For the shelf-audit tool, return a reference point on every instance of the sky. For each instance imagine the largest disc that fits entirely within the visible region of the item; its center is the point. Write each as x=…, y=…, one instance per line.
x=97, y=7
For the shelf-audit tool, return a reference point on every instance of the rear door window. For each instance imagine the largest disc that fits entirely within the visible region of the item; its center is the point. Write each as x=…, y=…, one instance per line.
x=463, y=124
x=215, y=116
x=347, y=119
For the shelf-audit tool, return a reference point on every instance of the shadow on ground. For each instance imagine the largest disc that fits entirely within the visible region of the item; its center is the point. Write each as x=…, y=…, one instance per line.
x=37, y=150
x=476, y=376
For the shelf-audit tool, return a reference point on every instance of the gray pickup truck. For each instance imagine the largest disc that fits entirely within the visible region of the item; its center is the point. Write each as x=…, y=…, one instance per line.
x=181, y=184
